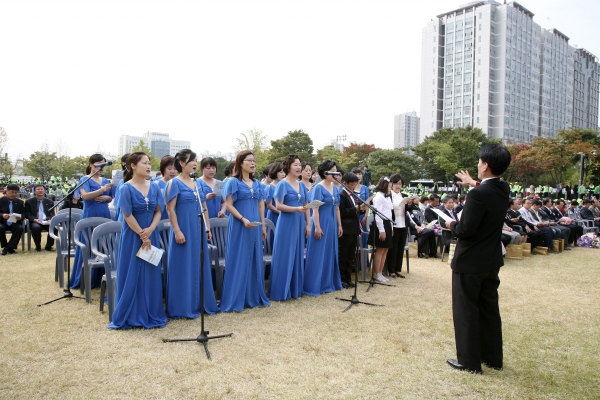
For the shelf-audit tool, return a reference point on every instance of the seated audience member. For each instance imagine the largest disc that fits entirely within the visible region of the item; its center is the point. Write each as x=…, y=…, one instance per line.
x=560, y=213
x=514, y=236
x=460, y=203
x=434, y=202
x=530, y=216
x=427, y=246
x=423, y=204
x=513, y=219
x=594, y=208
x=545, y=211
x=586, y=214
x=10, y=204
x=39, y=215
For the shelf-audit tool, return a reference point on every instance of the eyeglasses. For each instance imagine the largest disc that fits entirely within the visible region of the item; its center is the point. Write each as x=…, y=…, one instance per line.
x=250, y=161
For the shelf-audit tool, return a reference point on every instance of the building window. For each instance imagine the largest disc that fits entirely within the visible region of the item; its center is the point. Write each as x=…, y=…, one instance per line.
x=477, y=96
x=477, y=119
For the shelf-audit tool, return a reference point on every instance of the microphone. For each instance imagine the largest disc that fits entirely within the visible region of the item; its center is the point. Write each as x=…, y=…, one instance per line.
x=104, y=164
x=332, y=173
x=193, y=175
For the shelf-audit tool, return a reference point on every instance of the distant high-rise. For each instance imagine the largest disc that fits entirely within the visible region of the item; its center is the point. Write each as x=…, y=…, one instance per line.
x=159, y=143
x=489, y=65
x=406, y=131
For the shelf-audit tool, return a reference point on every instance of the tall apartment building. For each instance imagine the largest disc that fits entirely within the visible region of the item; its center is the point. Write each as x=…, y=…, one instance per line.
x=159, y=143
x=489, y=65
x=585, y=86
x=406, y=130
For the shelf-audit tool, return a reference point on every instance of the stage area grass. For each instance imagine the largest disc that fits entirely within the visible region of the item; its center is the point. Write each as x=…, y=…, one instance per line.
x=308, y=348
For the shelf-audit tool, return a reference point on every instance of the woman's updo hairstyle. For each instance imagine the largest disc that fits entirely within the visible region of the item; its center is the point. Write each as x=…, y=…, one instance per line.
x=133, y=158
x=288, y=161
x=184, y=156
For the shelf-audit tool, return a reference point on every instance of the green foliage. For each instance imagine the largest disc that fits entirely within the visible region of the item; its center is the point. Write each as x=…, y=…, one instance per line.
x=295, y=142
x=154, y=161
x=257, y=142
x=450, y=150
x=388, y=162
x=221, y=164
x=40, y=164
x=360, y=152
x=329, y=153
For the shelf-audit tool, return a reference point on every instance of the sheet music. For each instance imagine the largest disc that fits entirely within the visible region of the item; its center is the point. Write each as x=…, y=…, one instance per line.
x=314, y=204
x=153, y=256
x=218, y=189
x=13, y=217
x=442, y=215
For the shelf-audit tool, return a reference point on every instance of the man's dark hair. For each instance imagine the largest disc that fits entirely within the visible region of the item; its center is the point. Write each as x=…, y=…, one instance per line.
x=38, y=185
x=497, y=158
x=12, y=186
x=511, y=202
x=434, y=197
x=462, y=198
x=423, y=199
x=536, y=202
x=586, y=201
x=547, y=200
x=349, y=177
x=356, y=170
x=447, y=199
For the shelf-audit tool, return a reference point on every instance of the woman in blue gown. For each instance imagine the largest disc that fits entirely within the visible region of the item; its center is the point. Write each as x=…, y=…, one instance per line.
x=96, y=197
x=276, y=174
x=168, y=172
x=183, y=274
x=214, y=202
x=244, y=283
x=322, y=272
x=138, y=301
x=293, y=226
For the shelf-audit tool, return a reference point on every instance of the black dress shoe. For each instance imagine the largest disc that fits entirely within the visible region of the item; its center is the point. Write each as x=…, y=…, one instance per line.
x=38, y=249
x=4, y=251
x=11, y=251
x=346, y=285
x=421, y=255
x=454, y=364
x=399, y=275
x=497, y=368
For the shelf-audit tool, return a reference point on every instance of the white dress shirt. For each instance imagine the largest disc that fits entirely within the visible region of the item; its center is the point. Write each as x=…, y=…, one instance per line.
x=399, y=210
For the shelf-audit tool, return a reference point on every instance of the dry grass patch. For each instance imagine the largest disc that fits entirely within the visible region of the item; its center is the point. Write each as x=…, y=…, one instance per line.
x=308, y=348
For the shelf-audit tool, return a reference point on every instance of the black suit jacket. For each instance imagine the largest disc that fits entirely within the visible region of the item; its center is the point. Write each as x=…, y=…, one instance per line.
x=18, y=207
x=586, y=214
x=430, y=215
x=350, y=224
x=31, y=208
x=479, y=231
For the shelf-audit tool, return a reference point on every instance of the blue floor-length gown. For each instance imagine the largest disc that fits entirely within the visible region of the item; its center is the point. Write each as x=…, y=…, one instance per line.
x=183, y=273
x=138, y=301
x=91, y=208
x=244, y=283
x=322, y=272
x=287, y=263
x=162, y=186
x=214, y=204
x=273, y=216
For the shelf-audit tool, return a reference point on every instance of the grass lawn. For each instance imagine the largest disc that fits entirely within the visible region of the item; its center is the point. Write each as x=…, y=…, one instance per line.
x=308, y=348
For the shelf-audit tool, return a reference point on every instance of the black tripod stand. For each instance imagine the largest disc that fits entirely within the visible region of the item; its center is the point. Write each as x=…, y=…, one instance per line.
x=203, y=336
x=67, y=291
x=354, y=299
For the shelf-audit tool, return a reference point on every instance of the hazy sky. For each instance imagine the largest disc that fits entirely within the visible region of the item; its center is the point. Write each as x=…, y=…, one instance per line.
x=82, y=73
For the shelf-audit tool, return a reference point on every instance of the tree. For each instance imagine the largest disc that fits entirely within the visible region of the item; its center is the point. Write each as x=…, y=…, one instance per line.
x=295, y=142
x=221, y=164
x=6, y=168
x=521, y=170
x=388, y=162
x=40, y=163
x=329, y=153
x=360, y=151
x=257, y=142
x=154, y=161
x=450, y=150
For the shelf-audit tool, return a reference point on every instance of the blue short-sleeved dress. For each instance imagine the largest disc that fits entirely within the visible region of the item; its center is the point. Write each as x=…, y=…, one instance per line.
x=183, y=276
x=91, y=208
x=271, y=200
x=138, y=301
x=244, y=283
x=162, y=187
x=322, y=272
x=287, y=264
x=214, y=204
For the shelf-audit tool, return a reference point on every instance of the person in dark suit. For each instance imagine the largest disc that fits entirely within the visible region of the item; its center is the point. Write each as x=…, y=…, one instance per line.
x=39, y=215
x=434, y=202
x=10, y=204
x=349, y=210
x=476, y=263
x=585, y=212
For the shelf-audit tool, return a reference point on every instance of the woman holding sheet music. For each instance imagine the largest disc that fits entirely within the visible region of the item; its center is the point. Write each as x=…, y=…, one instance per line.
x=214, y=201
x=293, y=226
x=382, y=229
x=322, y=273
x=395, y=253
x=244, y=283
x=183, y=275
x=138, y=301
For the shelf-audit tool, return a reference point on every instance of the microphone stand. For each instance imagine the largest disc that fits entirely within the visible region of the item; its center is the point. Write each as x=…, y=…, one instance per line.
x=203, y=336
x=67, y=292
x=354, y=299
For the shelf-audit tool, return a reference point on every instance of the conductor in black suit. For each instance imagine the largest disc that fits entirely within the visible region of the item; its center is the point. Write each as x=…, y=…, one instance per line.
x=351, y=227
x=38, y=212
x=476, y=263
